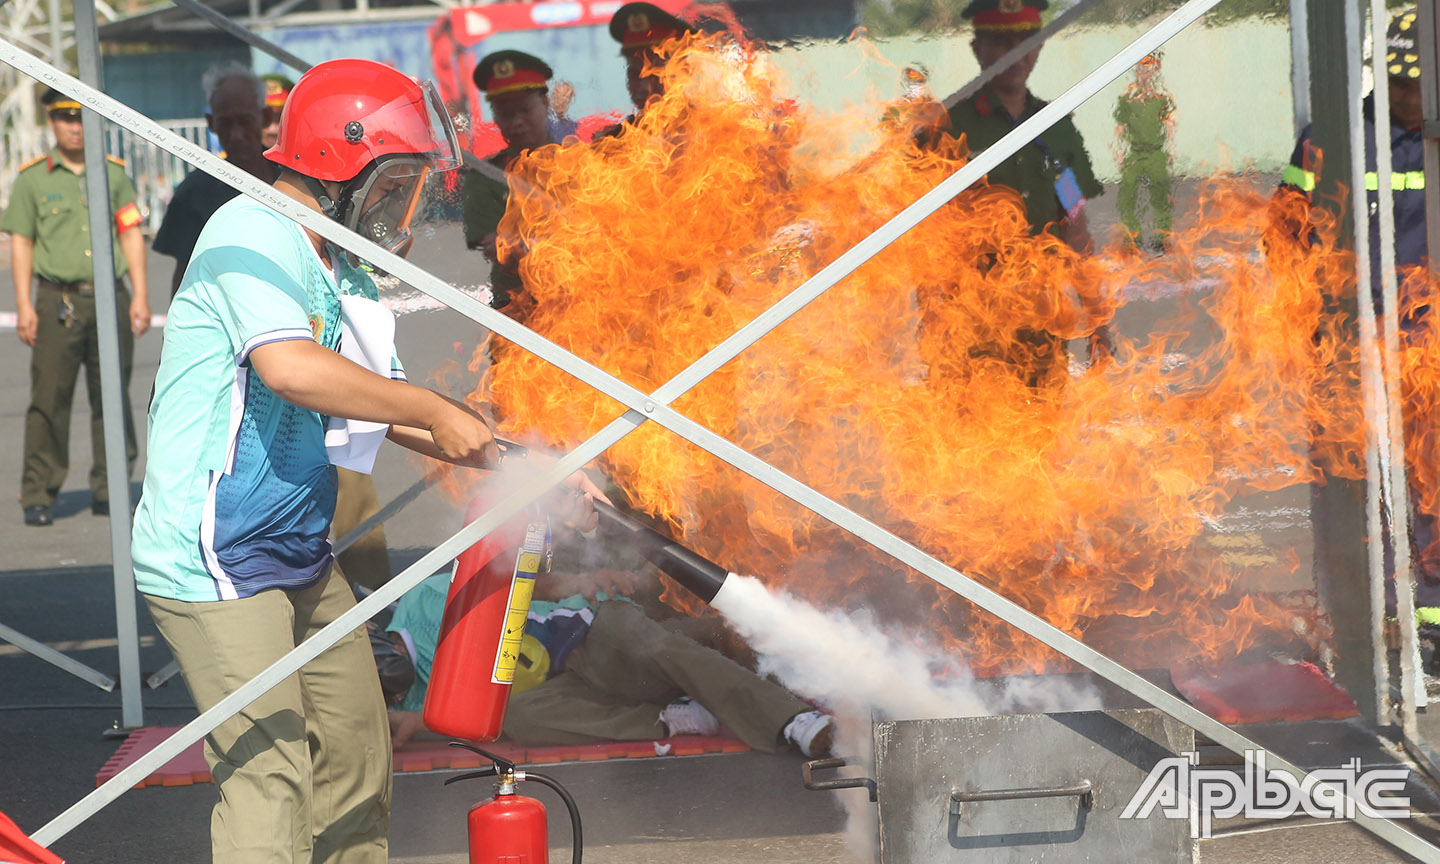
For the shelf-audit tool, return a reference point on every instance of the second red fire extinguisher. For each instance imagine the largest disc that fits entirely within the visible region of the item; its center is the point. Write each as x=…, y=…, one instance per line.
x=509, y=828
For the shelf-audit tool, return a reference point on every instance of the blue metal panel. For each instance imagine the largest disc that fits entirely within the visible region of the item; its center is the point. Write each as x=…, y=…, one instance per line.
x=402, y=44
x=166, y=84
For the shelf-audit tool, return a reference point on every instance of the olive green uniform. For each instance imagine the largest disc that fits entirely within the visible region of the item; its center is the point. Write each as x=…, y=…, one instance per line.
x=983, y=121
x=1142, y=121
x=483, y=201
x=48, y=206
x=1032, y=172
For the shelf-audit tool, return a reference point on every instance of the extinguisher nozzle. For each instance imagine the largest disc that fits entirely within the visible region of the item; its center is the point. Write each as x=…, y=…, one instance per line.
x=701, y=576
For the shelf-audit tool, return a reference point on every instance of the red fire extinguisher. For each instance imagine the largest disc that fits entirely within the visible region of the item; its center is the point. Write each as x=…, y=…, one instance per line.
x=509, y=828
x=483, y=625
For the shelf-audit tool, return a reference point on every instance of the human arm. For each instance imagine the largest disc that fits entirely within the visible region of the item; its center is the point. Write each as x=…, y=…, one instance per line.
x=132, y=246
x=403, y=726
x=311, y=376
x=19, y=222
x=22, y=269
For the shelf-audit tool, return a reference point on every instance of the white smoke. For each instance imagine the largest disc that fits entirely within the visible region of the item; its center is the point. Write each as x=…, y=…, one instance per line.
x=844, y=661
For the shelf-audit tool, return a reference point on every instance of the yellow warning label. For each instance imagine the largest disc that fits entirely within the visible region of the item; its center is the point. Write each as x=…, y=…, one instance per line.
x=529, y=562
x=518, y=607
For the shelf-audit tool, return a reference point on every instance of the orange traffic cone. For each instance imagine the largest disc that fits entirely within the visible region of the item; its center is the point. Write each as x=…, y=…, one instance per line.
x=16, y=847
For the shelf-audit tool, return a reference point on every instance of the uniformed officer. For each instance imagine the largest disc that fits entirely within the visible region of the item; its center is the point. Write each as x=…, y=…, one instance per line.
x=516, y=87
x=1407, y=163
x=1144, y=117
x=1407, y=182
x=277, y=90
x=640, y=28
x=49, y=226
x=1053, y=173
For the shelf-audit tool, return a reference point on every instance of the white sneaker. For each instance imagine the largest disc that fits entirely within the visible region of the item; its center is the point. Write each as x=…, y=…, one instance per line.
x=813, y=732
x=685, y=716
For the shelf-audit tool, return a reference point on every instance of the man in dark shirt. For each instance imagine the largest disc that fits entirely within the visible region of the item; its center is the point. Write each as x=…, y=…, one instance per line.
x=236, y=98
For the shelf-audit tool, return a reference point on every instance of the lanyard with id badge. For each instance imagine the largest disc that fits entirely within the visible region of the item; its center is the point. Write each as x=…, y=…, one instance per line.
x=1067, y=187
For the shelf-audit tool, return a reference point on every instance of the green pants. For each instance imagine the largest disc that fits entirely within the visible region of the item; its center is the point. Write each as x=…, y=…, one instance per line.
x=303, y=772
x=60, y=350
x=627, y=669
x=1150, y=168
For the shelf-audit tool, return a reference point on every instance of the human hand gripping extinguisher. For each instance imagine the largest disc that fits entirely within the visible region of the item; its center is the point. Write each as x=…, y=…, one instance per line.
x=509, y=828
x=484, y=623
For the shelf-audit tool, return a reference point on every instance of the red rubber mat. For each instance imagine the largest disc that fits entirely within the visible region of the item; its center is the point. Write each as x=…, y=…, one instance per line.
x=1263, y=692
x=427, y=755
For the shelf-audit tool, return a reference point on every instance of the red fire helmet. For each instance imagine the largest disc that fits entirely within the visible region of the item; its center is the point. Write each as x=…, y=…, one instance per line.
x=345, y=114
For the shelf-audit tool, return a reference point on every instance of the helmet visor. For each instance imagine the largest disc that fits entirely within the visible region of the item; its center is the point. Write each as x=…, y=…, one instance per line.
x=386, y=203
x=422, y=131
x=447, y=156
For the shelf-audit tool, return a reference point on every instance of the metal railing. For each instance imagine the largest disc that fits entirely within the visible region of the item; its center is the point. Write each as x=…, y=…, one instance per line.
x=154, y=171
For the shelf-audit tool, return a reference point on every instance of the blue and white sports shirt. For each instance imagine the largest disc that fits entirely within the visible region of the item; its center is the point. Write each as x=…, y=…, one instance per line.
x=239, y=493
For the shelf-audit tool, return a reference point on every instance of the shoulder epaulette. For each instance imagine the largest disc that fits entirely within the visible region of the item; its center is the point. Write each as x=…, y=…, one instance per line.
x=33, y=162
x=116, y=160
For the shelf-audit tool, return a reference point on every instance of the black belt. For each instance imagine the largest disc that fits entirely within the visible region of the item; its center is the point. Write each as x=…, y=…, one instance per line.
x=78, y=287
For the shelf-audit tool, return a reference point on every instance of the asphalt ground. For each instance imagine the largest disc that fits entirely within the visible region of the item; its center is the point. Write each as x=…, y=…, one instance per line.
x=56, y=586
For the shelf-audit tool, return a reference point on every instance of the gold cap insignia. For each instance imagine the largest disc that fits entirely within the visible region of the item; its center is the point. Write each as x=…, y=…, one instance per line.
x=504, y=69
x=638, y=22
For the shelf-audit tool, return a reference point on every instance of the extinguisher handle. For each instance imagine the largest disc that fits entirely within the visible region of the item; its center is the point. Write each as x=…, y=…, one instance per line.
x=472, y=775
x=501, y=764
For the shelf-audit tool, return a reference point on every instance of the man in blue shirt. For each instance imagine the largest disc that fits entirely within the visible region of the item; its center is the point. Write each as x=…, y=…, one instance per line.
x=231, y=544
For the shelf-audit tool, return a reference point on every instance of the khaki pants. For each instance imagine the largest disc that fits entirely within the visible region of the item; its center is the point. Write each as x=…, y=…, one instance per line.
x=60, y=351
x=368, y=561
x=303, y=772
x=627, y=669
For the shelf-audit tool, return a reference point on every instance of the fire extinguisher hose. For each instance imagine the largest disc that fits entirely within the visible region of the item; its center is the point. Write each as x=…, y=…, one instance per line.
x=577, y=843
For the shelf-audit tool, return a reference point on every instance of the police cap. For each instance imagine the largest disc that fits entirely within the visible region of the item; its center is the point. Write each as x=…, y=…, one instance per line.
x=1402, y=58
x=637, y=26
x=1005, y=15
x=277, y=89
x=60, y=105
x=509, y=72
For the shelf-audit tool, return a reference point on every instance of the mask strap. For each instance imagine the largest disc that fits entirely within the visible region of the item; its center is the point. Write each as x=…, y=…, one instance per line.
x=322, y=197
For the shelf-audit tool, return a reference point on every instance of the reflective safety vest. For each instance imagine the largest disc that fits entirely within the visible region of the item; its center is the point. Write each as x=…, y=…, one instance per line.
x=1407, y=181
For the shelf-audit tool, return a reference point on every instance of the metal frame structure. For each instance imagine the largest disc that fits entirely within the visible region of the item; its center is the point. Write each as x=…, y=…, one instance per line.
x=30, y=23
x=642, y=407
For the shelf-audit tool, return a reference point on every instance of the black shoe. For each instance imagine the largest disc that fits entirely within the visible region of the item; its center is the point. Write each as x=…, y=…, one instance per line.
x=39, y=514
x=100, y=508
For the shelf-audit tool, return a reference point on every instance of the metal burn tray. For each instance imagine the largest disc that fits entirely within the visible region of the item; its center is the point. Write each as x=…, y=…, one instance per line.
x=1026, y=787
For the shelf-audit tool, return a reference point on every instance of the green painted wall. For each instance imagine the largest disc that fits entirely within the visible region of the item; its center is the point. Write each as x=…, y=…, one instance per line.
x=1231, y=86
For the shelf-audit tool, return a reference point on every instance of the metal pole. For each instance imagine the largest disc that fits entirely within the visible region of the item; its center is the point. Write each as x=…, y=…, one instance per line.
x=1372, y=383
x=1011, y=57
x=1392, y=433
x=1300, y=62
x=114, y=399
x=56, y=658
x=655, y=406
x=57, y=43
x=226, y=25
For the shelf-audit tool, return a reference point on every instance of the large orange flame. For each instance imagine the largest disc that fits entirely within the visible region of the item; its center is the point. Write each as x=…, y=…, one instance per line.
x=916, y=392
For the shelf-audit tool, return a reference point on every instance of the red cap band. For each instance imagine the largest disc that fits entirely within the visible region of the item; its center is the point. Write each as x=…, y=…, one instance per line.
x=1024, y=18
x=520, y=79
